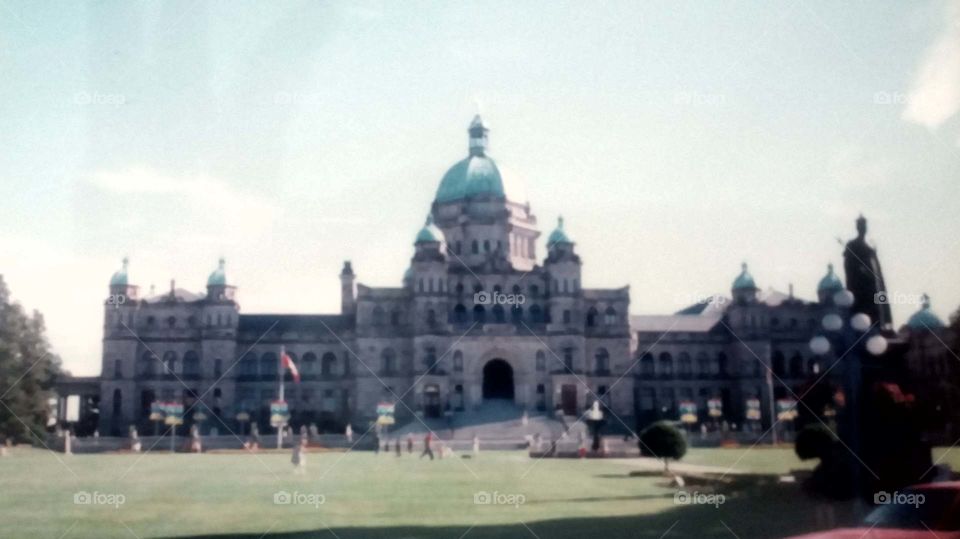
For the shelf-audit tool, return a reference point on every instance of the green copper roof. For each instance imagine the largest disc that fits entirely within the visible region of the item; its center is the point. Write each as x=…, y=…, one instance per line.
x=925, y=318
x=219, y=276
x=558, y=235
x=475, y=175
x=430, y=232
x=830, y=281
x=744, y=281
x=120, y=277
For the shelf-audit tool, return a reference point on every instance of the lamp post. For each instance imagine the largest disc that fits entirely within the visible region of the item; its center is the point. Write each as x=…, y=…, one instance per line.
x=843, y=333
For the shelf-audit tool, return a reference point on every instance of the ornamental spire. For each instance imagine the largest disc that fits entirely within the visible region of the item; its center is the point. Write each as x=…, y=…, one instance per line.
x=478, y=137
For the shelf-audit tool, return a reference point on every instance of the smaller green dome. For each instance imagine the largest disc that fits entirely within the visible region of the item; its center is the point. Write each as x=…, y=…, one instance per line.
x=558, y=235
x=430, y=232
x=925, y=318
x=219, y=276
x=119, y=278
x=744, y=281
x=830, y=281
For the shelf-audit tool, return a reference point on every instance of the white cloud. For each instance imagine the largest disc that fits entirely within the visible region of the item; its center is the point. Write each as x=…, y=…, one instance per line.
x=934, y=95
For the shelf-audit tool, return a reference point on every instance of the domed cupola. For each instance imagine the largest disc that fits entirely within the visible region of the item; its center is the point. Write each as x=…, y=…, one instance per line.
x=430, y=232
x=119, y=277
x=219, y=276
x=559, y=235
x=744, y=288
x=829, y=285
x=476, y=175
x=924, y=318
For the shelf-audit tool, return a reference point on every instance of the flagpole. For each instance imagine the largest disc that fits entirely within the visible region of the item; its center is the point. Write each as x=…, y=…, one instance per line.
x=280, y=376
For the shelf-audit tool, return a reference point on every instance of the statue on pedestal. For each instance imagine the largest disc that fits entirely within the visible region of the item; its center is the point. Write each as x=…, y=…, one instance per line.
x=865, y=279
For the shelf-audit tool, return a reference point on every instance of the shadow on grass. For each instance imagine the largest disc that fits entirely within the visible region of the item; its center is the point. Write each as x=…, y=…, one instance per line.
x=755, y=507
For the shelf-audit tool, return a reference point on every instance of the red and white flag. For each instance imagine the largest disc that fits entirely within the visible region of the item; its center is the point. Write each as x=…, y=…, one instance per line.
x=288, y=363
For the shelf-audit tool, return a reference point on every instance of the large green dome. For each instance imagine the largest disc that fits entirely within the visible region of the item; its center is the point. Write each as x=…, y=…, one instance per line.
x=925, y=318
x=475, y=175
x=478, y=174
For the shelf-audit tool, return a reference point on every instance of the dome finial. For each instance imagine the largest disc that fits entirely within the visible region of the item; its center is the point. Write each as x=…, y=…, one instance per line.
x=560, y=222
x=743, y=266
x=222, y=263
x=478, y=136
x=126, y=262
x=925, y=301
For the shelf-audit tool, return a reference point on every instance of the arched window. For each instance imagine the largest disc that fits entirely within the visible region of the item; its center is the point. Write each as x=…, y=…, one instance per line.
x=534, y=290
x=430, y=360
x=328, y=363
x=602, y=359
x=610, y=316
x=378, y=316
x=309, y=366
x=666, y=364
x=460, y=314
x=647, y=364
x=516, y=314
x=516, y=290
x=191, y=365
x=536, y=315
x=459, y=288
x=269, y=366
x=719, y=367
x=796, y=365
x=147, y=366
x=479, y=314
x=172, y=321
x=541, y=361
x=117, y=404
x=217, y=368
x=498, y=315
x=779, y=364
x=248, y=365
x=388, y=361
x=475, y=247
x=486, y=246
x=591, y=317
x=431, y=317
x=458, y=361
x=703, y=364
x=169, y=363
x=685, y=364
x=395, y=318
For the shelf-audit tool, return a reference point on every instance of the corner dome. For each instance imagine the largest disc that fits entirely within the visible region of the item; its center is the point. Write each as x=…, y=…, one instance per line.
x=430, y=232
x=558, y=235
x=219, y=276
x=120, y=278
x=830, y=281
x=925, y=318
x=744, y=281
x=478, y=174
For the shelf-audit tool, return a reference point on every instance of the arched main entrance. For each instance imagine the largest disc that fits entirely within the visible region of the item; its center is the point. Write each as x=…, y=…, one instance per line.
x=497, y=380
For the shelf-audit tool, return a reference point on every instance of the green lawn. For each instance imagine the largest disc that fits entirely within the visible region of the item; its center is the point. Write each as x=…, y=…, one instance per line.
x=385, y=496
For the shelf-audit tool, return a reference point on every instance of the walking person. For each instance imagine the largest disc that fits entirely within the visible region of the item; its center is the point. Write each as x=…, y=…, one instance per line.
x=426, y=446
x=299, y=457
x=410, y=443
x=396, y=446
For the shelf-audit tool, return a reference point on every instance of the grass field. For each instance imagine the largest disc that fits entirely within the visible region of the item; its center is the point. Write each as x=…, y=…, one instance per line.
x=369, y=496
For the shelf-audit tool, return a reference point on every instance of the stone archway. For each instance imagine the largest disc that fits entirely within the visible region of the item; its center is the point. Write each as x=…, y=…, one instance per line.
x=498, y=380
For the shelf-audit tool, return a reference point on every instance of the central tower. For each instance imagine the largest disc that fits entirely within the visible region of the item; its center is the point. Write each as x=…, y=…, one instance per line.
x=483, y=213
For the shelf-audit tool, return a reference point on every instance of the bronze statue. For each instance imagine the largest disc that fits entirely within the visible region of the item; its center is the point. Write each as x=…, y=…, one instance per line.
x=865, y=279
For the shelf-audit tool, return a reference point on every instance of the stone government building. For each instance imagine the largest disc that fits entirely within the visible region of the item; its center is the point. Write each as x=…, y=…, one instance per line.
x=434, y=342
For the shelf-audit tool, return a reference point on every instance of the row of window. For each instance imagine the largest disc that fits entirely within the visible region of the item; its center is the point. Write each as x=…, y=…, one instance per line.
x=498, y=314
x=220, y=320
x=706, y=365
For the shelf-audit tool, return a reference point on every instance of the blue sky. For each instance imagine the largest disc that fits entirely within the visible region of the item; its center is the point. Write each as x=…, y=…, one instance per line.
x=677, y=138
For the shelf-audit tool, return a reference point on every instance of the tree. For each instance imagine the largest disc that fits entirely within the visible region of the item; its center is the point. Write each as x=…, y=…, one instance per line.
x=814, y=442
x=663, y=441
x=28, y=369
